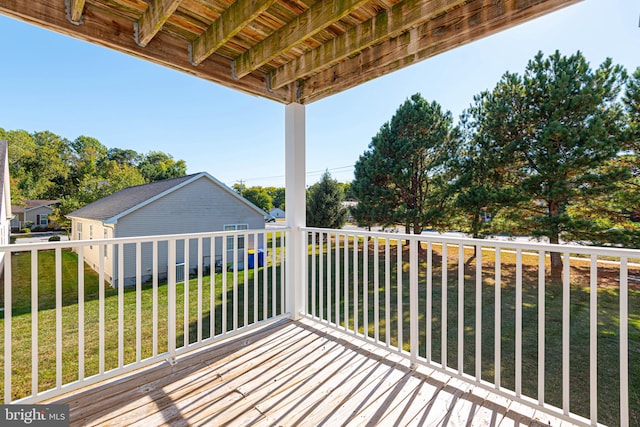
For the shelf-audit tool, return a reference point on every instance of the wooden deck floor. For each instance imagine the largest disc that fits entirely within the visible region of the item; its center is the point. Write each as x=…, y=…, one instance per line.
x=293, y=374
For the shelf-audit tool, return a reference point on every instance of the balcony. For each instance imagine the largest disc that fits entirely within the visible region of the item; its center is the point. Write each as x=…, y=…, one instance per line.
x=377, y=331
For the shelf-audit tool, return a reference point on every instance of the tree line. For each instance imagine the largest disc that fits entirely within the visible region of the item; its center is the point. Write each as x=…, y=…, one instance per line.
x=550, y=153
x=328, y=194
x=46, y=166
x=266, y=198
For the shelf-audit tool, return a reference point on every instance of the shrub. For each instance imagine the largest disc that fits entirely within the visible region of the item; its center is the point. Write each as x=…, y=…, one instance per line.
x=25, y=230
x=54, y=238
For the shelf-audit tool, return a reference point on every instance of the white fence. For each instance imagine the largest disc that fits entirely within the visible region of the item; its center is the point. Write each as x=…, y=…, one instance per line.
x=495, y=316
x=65, y=327
x=566, y=343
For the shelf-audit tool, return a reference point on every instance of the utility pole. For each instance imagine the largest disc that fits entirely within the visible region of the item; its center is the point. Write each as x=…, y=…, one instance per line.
x=241, y=186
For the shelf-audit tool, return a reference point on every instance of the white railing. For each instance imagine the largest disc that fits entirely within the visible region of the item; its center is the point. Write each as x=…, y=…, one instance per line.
x=68, y=323
x=496, y=316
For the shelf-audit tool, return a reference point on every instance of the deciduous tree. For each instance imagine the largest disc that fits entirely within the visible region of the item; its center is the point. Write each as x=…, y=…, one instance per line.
x=157, y=165
x=257, y=195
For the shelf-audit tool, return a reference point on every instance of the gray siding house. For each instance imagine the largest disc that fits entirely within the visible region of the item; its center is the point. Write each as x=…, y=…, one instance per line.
x=277, y=213
x=190, y=204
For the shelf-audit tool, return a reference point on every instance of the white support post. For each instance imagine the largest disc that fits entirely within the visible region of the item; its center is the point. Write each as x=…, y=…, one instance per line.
x=295, y=195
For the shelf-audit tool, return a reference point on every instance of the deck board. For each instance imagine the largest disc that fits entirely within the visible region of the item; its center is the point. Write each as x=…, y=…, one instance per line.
x=292, y=374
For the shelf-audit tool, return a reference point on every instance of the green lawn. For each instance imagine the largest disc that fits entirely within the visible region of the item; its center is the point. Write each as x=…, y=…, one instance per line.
x=608, y=321
x=22, y=322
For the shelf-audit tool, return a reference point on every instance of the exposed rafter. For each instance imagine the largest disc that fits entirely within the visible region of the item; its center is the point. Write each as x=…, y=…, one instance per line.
x=234, y=19
x=468, y=23
x=74, y=10
x=283, y=50
x=315, y=19
x=153, y=19
x=114, y=32
x=386, y=24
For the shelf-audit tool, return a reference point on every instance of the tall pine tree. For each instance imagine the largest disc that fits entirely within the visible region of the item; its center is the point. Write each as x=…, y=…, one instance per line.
x=324, y=203
x=563, y=129
x=402, y=179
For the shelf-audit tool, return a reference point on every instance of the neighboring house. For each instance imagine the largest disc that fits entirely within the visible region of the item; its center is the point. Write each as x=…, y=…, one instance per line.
x=5, y=199
x=277, y=213
x=32, y=213
x=189, y=204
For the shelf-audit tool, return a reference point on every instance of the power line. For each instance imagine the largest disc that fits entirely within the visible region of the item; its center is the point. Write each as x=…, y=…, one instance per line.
x=309, y=173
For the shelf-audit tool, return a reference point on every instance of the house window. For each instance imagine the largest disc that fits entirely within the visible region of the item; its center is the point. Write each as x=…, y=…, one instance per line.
x=44, y=220
x=233, y=227
x=79, y=230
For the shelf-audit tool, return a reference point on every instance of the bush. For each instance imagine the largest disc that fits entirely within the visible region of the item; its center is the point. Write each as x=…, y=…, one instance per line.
x=54, y=238
x=25, y=230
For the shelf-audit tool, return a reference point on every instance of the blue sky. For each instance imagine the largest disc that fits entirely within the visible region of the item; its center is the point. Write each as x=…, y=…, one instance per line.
x=72, y=88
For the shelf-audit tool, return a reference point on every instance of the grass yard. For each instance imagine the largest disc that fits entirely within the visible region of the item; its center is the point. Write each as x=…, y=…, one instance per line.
x=22, y=318
x=608, y=320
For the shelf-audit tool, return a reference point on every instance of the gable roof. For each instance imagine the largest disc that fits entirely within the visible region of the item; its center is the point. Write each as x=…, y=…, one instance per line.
x=109, y=209
x=33, y=204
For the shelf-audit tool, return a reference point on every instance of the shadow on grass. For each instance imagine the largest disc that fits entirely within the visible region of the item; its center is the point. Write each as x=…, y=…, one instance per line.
x=392, y=295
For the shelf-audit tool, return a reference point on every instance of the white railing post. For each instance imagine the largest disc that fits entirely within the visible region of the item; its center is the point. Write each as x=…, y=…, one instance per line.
x=413, y=300
x=34, y=322
x=443, y=319
x=518, y=349
x=8, y=313
x=295, y=195
x=171, y=304
x=566, y=324
x=593, y=340
x=478, y=328
x=101, y=307
x=58, y=273
x=81, y=309
x=624, y=342
x=541, y=326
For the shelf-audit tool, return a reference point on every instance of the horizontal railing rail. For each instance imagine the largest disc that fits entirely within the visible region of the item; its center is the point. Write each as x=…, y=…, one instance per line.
x=493, y=312
x=78, y=312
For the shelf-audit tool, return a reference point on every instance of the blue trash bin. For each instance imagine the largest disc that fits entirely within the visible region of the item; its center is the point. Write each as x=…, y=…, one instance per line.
x=251, y=257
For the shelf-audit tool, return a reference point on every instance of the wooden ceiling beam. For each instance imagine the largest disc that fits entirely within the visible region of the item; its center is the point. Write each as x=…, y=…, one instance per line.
x=315, y=19
x=388, y=23
x=153, y=19
x=74, y=10
x=230, y=23
x=105, y=29
x=473, y=21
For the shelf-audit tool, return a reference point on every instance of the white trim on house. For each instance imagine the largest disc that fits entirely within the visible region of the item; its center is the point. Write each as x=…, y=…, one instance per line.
x=241, y=242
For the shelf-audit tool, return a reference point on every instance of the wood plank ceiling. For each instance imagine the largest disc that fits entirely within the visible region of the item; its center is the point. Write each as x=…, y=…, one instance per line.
x=284, y=50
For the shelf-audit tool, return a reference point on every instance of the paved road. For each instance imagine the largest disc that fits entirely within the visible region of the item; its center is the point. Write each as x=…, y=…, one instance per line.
x=39, y=237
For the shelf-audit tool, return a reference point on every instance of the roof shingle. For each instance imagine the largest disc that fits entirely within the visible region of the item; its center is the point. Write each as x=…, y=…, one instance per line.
x=125, y=199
